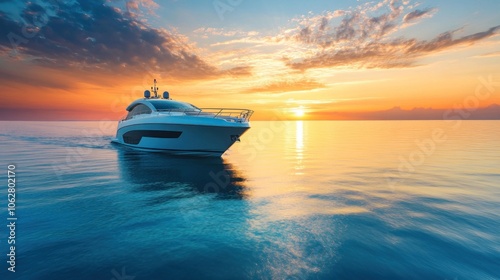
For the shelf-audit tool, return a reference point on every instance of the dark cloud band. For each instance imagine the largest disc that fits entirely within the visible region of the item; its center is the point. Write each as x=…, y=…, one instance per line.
x=88, y=34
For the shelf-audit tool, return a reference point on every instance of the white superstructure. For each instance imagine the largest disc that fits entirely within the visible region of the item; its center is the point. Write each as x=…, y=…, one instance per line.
x=165, y=125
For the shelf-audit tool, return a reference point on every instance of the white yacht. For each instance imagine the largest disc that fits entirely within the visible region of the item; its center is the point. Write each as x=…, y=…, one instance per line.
x=164, y=125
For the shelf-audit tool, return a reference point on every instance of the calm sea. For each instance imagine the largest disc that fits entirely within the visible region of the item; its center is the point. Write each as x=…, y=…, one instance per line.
x=293, y=200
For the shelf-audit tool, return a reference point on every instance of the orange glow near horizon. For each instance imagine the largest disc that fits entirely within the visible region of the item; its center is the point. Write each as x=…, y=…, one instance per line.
x=88, y=101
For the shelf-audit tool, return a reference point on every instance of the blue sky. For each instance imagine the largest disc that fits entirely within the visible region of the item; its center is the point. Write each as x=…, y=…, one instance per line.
x=188, y=15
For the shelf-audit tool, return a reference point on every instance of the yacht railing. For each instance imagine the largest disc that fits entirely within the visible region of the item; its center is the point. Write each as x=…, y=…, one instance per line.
x=242, y=115
x=229, y=114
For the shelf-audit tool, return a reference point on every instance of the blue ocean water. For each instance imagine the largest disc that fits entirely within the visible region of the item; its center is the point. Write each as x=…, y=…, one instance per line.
x=293, y=200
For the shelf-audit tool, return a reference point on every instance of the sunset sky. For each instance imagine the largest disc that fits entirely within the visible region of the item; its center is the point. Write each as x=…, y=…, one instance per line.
x=87, y=60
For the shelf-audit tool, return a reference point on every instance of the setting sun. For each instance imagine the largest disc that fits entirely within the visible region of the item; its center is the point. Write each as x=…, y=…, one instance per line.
x=298, y=112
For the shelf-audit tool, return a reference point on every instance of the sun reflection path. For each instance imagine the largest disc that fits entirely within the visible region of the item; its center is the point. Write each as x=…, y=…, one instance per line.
x=299, y=136
x=299, y=147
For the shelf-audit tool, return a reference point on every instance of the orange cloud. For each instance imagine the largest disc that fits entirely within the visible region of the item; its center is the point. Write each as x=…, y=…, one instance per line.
x=287, y=86
x=133, y=6
x=491, y=112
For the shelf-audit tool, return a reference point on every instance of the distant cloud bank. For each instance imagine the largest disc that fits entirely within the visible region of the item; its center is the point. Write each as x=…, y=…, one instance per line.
x=491, y=112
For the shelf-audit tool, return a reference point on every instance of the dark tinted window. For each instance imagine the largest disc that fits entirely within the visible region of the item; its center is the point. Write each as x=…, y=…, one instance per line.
x=138, y=109
x=162, y=105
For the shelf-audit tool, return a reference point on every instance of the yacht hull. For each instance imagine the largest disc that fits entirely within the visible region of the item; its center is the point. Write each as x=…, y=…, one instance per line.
x=197, y=137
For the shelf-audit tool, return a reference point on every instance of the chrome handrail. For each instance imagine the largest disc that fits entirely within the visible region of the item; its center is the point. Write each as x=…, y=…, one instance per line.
x=229, y=114
x=242, y=115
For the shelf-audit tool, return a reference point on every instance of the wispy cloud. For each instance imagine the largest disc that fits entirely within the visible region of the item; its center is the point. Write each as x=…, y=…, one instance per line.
x=396, y=113
x=491, y=54
x=207, y=32
x=415, y=15
x=40, y=77
x=310, y=101
x=364, y=37
x=134, y=7
x=286, y=86
x=491, y=112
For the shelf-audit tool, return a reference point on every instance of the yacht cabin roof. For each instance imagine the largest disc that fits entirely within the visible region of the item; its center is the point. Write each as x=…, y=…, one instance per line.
x=163, y=105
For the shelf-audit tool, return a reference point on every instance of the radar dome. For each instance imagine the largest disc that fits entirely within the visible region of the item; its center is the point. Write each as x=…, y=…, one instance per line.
x=166, y=95
x=147, y=94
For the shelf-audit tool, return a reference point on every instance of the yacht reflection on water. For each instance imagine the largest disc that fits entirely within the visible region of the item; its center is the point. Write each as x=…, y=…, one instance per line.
x=156, y=172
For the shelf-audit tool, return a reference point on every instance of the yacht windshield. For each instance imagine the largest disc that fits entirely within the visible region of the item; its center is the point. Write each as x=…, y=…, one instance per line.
x=168, y=105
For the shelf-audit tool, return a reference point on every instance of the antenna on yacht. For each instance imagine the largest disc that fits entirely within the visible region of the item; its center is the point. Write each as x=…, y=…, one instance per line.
x=155, y=89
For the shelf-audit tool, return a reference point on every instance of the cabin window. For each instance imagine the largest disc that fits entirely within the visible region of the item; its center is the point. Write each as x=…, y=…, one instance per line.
x=170, y=105
x=138, y=109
